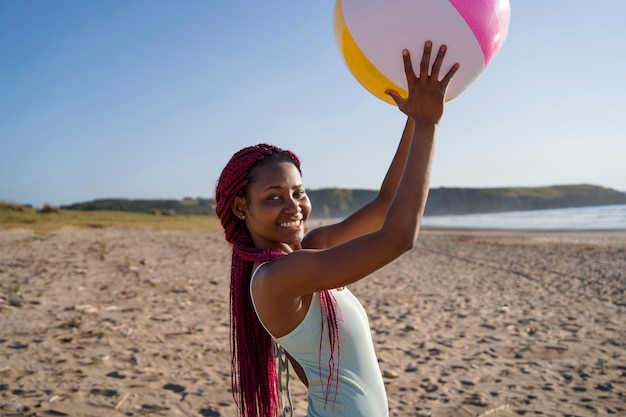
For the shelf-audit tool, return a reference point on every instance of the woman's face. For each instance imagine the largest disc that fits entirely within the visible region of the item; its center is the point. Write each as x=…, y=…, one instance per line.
x=276, y=206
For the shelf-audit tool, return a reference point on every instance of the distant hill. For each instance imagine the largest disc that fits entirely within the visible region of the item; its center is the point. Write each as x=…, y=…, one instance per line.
x=442, y=201
x=339, y=203
x=197, y=206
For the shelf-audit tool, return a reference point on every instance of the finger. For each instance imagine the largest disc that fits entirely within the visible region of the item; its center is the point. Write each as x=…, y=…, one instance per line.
x=446, y=79
x=425, y=63
x=397, y=98
x=408, y=65
x=438, y=61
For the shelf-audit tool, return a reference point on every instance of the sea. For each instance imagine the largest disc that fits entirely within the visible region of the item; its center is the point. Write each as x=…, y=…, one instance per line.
x=611, y=217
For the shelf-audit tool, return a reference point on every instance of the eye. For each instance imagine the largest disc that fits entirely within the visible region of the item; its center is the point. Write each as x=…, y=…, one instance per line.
x=299, y=194
x=274, y=197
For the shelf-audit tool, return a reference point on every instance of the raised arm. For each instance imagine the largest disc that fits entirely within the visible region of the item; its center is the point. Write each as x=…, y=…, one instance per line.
x=371, y=216
x=307, y=271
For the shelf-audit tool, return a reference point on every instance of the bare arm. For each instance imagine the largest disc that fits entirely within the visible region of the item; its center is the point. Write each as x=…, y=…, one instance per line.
x=371, y=216
x=307, y=271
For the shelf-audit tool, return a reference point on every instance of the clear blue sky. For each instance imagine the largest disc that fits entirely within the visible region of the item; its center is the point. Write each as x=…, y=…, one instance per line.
x=149, y=99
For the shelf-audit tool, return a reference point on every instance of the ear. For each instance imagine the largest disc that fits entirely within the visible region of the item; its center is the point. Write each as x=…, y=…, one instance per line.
x=239, y=207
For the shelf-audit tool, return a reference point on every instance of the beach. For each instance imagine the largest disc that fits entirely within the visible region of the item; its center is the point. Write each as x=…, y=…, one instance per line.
x=134, y=322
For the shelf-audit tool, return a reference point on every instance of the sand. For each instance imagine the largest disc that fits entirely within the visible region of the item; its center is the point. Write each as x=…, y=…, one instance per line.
x=132, y=322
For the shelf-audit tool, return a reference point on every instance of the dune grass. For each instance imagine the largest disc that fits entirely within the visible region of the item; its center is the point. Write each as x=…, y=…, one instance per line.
x=49, y=219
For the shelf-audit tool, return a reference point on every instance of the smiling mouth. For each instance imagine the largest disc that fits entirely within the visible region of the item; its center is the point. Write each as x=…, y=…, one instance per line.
x=291, y=224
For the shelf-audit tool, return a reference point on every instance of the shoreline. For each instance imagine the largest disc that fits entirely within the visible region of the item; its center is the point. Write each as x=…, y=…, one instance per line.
x=122, y=321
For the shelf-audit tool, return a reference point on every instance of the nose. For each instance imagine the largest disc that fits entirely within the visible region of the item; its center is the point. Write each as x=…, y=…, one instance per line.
x=292, y=205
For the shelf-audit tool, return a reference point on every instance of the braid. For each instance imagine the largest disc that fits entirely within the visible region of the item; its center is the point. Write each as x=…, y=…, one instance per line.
x=330, y=313
x=254, y=376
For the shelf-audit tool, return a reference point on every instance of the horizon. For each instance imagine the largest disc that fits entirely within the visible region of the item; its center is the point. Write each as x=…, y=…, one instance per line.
x=149, y=100
x=63, y=205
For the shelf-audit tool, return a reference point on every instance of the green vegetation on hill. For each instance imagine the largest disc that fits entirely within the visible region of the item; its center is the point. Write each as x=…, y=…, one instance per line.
x=196, y=206
x=442, y=201
x=49, y=219
x=338, y=203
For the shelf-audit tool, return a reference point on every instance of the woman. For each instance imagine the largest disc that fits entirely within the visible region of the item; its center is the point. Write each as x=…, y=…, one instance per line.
x=288, y=289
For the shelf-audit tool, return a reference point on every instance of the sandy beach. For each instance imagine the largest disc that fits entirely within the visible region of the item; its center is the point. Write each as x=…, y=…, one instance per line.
x=133, y=322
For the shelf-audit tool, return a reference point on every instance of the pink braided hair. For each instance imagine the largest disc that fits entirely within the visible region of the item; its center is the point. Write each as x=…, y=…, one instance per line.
x=254, y=376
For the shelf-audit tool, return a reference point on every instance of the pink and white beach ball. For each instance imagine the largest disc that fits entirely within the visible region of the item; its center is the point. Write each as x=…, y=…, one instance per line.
x=371, y=35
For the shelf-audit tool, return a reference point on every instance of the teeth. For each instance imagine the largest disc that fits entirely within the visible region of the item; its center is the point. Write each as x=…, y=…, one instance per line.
x=294, y=223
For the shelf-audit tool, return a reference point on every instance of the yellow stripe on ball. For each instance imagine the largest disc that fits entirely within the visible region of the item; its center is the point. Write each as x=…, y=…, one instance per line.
x=361, y=68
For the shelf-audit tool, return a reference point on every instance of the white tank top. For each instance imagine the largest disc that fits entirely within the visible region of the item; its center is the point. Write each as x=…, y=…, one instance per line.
x=361, y=389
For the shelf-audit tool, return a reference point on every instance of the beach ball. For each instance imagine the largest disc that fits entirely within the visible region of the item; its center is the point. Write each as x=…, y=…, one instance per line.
x=371, y=35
